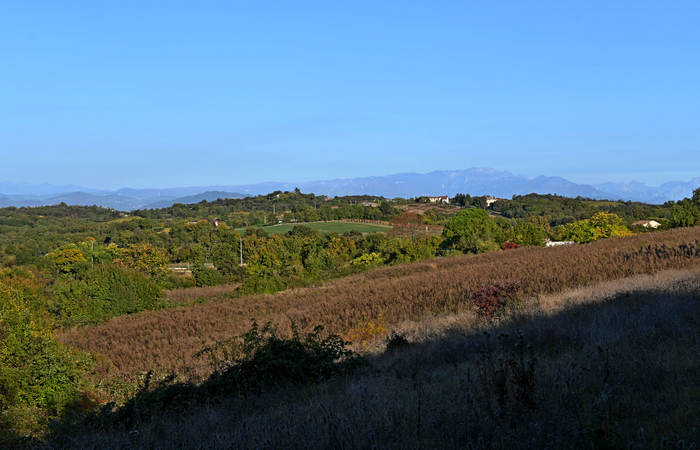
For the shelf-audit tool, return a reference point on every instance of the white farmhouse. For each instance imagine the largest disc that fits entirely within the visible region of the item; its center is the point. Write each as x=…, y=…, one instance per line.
x=491, y=200
x=438, y=199
x=549, y=243
x=647, y=223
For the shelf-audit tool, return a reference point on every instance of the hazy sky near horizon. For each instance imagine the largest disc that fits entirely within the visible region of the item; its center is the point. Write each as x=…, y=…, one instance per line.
x=158, y=94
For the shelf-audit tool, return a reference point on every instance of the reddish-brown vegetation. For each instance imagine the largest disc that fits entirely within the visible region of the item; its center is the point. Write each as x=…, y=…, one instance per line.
x=609, y=365
x=188, y=295
x=509, y=245
x=407, y=218
x=414, y=212
x=489, y=300
x=167, y=339
x=410, y=223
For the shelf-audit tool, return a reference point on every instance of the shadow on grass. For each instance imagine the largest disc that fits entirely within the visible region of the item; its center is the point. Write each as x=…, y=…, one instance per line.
x=617, y=373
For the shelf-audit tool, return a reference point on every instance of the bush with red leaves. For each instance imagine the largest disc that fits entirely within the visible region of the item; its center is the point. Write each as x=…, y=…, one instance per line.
x=509, y=245
x=490, y=300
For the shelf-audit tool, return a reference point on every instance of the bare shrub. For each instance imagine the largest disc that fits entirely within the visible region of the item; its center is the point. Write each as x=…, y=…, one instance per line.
x=491, y=300
x=367, y=332
x=395, y=342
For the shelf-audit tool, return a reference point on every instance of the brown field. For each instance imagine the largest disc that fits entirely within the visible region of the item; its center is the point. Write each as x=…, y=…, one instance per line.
x=610, y=365
x=166, y=340
x=422, y=208
x=189, y=295
x=443, y=326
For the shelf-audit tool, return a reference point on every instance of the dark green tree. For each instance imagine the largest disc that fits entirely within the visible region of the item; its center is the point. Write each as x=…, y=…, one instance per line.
x=472, y=231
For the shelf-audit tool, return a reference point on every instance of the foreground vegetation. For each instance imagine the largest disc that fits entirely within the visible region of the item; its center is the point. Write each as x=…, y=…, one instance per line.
x=614, y=367
x=167, y=340
x=89, y=305
x=489, y=287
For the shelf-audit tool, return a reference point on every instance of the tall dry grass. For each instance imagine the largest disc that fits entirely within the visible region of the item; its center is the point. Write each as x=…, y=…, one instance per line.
x=181, y=296
x=606, y=366
x=443, y=326
x=166, y=340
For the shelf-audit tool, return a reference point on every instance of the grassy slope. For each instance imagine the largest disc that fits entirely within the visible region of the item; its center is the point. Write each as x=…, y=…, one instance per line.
x=614, y=365
x=166, y=340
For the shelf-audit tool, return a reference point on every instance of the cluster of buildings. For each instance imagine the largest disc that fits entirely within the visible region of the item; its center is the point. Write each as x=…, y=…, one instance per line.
x=444, y=199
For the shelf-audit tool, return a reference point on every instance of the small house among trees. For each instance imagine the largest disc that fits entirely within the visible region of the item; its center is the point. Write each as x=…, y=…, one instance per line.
x=647, y=224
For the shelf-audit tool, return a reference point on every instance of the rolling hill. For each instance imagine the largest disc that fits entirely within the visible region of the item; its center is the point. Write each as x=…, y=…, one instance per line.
x=474, y=181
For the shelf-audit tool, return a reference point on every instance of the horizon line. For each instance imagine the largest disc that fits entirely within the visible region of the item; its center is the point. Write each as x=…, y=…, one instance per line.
x=222, y=185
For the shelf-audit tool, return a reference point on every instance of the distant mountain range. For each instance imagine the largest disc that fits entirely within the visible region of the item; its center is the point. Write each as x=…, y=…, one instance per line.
x=475, y=181
x=137, y=198
x=209, y=196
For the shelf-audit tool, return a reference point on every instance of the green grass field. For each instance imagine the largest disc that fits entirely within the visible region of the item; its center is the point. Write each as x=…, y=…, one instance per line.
x=328, y=227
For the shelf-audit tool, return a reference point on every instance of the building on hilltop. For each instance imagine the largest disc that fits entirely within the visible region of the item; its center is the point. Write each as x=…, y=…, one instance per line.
x=491, y=200
x=435, y=199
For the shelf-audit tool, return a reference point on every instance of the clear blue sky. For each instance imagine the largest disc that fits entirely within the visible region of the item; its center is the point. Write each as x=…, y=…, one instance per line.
x=146, y=94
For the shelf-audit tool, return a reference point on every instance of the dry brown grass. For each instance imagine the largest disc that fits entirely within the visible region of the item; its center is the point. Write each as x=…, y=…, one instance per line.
x=166, y=340
x=442, y=326
x=189, y=295
x=422, y=208
x=615, y=365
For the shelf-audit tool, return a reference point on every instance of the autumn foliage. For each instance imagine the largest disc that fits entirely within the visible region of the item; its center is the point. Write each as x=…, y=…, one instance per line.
x=491, y=299
x=508, y=245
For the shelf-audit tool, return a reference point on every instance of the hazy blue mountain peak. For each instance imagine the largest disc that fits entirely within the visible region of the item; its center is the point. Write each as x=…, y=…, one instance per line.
x=473, y=181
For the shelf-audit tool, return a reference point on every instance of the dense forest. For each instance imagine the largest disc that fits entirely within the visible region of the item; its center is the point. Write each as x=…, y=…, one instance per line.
x=562, y=210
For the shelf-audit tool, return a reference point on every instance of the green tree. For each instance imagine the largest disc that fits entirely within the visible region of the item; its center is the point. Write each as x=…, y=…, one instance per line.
x=609, y=225
x=579, y=231
x=66, y=260
x=472, y=231
x=96, y=253
x=602, y=225
x=205, y=276
x=527, y=233
x=368, y=260
x=386, y=208
x=226, y=258
x=462, y=199
x=684, y=214
x=102, y=292
x=39, y=377
x=145, y=258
